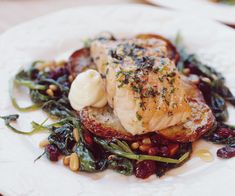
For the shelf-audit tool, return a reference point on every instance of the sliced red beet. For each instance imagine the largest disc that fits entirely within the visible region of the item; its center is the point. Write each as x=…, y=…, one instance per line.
x=79, y=61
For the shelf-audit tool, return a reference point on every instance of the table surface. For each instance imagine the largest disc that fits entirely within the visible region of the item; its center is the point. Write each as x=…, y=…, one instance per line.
x=13, y=12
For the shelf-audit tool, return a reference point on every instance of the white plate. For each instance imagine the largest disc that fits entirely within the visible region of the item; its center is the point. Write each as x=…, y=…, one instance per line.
x=218, y=11
x=55, y=35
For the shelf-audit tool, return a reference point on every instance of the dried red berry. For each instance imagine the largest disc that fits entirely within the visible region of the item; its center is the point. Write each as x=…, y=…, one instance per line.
x=224, y=132
x=226, y=152
x=58, y=72
x=88, y=138
x=52, y=152
x=153, y=151
x=158, y=140
x=173, y=148
x=144, y=169
x=165, y=151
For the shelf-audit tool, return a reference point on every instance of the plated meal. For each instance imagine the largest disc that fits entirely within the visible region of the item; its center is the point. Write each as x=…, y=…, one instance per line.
x=133, y=104
x=53, y=39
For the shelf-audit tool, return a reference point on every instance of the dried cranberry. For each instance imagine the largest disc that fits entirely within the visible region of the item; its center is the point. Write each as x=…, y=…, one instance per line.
x=58, y=72
x=153, y=151
x=34, y=73
x=224, y=132
x=164, y=150
x=144, y=169
x=158, y=140
x=52, y=152
x=173, y=148
x=226, y=152
x=88, y=138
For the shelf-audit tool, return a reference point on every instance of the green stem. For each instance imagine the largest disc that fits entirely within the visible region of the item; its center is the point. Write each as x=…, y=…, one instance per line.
x=124, y=146
x=14, y=102
x=35, y=129
x=31, y=85
x=140, y=157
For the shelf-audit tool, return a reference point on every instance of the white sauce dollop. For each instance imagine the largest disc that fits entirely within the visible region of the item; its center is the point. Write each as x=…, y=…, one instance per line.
x=87, y=90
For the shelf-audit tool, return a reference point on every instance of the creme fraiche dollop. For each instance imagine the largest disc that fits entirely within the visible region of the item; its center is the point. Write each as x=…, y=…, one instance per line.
x=87, y=90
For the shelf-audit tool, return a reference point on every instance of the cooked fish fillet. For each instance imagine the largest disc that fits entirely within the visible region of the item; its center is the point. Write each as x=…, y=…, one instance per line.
x=143, y=85
x=102, y=121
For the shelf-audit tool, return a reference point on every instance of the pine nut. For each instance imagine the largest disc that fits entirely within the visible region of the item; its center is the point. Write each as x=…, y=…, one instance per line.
x=71, y=78
x=53, y=87
x=144, y=148
x=60, y=63
x=146, y=141
x=214, y=76
x=135, y=145
x=50, y=92
x=74, y=162
x=205, y=79
x=51, y=64
x=112, y=156
x=186, y=71
x=44, y=143
x=66, y=160
x=76, y=134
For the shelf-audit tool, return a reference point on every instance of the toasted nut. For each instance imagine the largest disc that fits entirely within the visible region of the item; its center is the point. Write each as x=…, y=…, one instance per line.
x=53, y=87
x=66, y=160
x=214, y=76
x=205, y=79
x=52, y=64
x=146, y=141
x=60, y=63
x=112, y=156
x=76, y=134
x=74, y=162
x=135, y=145
x=71, y=78
x=186, y=71
x=50, y=92
x=144, y=148
x=44, y=143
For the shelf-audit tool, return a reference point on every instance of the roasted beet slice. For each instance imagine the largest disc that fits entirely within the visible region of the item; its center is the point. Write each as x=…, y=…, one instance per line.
x=79, y=61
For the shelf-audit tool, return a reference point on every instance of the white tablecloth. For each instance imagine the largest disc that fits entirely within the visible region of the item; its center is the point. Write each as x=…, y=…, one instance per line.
x=13, y=12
